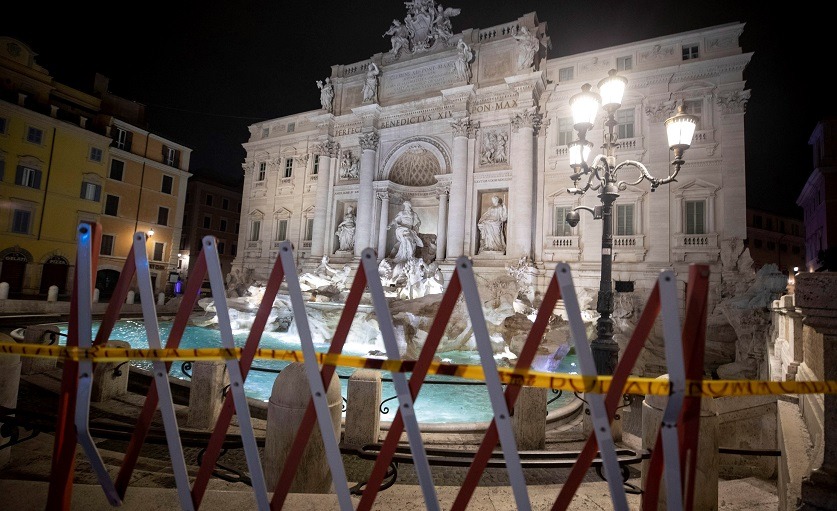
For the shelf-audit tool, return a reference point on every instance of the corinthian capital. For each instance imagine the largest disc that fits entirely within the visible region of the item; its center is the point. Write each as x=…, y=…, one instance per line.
x=529, y=118
x=331, y=148
x=369, y=141
x=461, y=126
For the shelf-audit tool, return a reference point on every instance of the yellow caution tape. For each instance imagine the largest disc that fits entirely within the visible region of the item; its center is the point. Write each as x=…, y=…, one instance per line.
x=530, y=378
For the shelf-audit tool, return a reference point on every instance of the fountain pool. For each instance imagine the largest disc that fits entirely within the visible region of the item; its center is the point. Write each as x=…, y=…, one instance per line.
x=465, y=402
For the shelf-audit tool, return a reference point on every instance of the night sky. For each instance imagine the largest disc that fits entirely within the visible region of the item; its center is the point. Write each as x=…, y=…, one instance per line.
x=206, y=70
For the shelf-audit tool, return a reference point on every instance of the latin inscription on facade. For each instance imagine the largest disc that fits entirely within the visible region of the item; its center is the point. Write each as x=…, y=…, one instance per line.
x=415, y=119
x=495, y=105
x=347, y=131
x=431, y=77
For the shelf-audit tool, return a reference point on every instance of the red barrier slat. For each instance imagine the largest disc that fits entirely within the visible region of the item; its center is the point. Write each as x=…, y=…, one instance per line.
x=694, y=324
x=620, y=376
x=216, y=440
x=524, y=361
x=64, y=447
x=434, y=336
x=143, y=423
x=306, y=426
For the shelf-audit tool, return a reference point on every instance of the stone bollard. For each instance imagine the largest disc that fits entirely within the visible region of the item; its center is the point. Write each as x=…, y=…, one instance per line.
x=363, y=419
x=96, y=295
x=52, y=294
x=706, y=479
x=110, y=379
x=206, y=394
x=4, y=290
x=161, y=299
x=130, y=298
x=529, y=419
x=9, y=384
x=288, y=401
x=39, y=334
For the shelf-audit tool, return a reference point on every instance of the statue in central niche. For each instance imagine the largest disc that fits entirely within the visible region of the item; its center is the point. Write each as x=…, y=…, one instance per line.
x=406, y=224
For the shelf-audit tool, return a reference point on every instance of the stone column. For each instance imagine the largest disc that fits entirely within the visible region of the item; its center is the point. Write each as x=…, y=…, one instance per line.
x=209, y=377
x=525, y=126
x=366, y=197
x=462, y=129
x=326, y=150
x=442, y=225
x=529, y=419
x=382, y=226
x=814, y=296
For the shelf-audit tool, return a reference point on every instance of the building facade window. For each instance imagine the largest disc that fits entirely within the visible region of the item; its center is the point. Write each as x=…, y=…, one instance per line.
x=690, y=51
x=309, y=229
x=625, y=118
x=695, y=217
x=111, y=205
x=282, y=230
x=225, y=203
x=96, y=154
x=162, y=216
x=316, y=164
x=694, y=107
x=221, y=247
x=255, y=227
x=208, y=200
x=262, y=171
x=625, y=220
x=107, y=244
x=122, y=139
x=167, y=185
x=28, y=177
x=34, y=135
x=234, y=250
x=3, y=125
x=289, y=167
x=566, y=74
x=207, y=222
x=562, y=228
x=91, y=191
x=159, y=248
x=624, y=63
x=565, y=131
x=222, y=225
x=171, y=156
x=21, y=221
x=117, y=170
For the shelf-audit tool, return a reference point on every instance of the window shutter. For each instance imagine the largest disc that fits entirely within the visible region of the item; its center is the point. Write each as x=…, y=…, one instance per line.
x=165, y=153
x=19, y=175
x=129, y=136
x=177, y=159
x=97, y=195
x=38, y=179
x=83, y=189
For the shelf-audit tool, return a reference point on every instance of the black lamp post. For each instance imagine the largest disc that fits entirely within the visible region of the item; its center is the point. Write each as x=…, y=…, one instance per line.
x=602, y=176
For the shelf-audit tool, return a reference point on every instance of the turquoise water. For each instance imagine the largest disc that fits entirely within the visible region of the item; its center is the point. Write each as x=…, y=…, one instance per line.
x=435, y=403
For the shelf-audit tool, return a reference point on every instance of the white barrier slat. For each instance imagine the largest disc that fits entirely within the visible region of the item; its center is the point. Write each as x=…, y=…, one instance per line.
x=161, y=377
x=402, y=389
x=315, y=379
x=84, y=324
x=242, y=409
x=677, y=378
x=598, y=411
x=502, y=417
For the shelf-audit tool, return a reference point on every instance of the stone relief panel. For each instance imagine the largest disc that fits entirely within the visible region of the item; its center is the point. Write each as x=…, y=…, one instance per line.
x=494, y=146
x=349, y=166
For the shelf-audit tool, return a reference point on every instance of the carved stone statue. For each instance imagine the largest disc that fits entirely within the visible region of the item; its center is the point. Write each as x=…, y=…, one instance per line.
x=326, y=94
x=406, y=224
x=370, y=87
x=528, y=44
x=463, y=61
x=494, y=148
x=492, y=227
x=399, y=38
x=346, y=231
x=441, y=27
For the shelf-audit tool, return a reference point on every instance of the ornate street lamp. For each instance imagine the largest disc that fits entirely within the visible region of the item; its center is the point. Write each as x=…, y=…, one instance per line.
x=603, y=176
